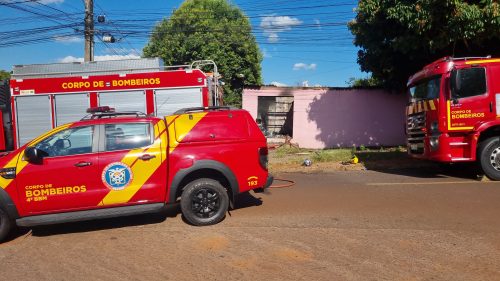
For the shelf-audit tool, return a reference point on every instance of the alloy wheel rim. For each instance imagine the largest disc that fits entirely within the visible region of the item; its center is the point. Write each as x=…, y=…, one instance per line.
x=205, y=203
x=495, y=159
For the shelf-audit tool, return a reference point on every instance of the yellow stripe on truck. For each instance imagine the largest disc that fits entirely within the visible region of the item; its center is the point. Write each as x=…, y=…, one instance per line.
x=12, y=163
x=143, y=170
x=482, y=61
x=55, y=130
x=431, y=104
x=22, y=163
x=183, y=125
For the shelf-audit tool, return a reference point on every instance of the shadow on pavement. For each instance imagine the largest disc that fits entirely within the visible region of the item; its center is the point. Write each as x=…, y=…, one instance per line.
x=399, y=163
x=244, y=200
x=118, y=222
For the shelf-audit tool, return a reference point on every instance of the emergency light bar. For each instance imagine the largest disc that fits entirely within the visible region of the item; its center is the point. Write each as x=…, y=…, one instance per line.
x=100, y=109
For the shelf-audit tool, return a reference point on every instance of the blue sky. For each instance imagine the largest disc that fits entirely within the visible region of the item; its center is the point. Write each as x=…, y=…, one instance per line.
x=303, y=42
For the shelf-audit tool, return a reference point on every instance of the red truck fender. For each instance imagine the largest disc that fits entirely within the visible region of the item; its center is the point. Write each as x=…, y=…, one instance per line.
x=205, y=168
x=8, y=205
x=484, y=126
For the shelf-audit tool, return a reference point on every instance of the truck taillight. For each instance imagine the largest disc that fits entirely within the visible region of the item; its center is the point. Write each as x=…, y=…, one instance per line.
x=263, y=152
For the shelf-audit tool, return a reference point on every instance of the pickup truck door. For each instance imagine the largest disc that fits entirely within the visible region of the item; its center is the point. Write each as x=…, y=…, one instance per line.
x=66, y=178
x=132, y=166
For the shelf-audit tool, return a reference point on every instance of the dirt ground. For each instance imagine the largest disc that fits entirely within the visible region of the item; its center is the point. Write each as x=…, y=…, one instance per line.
x=350, y=225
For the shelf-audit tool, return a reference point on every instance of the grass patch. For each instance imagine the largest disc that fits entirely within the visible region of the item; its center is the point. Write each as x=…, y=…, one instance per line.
x=291, y=159
x=286, y=154
x=284, y=151
x=298, y=155
x=332, y=155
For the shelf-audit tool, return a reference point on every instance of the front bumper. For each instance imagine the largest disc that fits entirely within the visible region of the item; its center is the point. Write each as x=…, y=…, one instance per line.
x=452, y=148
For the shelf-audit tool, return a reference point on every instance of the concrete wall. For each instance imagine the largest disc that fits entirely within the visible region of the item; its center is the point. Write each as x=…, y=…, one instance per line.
x=328, y=117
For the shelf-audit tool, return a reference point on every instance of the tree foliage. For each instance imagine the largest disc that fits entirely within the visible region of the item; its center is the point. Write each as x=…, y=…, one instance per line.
x=214, y=30
x=363, y=82
x=397, y=38
x=4, y=75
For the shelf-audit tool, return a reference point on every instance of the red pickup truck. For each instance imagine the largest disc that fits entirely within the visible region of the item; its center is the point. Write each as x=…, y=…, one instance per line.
x=123, y=163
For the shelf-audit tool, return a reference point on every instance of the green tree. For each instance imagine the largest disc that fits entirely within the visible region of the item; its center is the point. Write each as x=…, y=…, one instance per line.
x=214, y=30
x=363, y=82
x=4, y=75
x=397, y=38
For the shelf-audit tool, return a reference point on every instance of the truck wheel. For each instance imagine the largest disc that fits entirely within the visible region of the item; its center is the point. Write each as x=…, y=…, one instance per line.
x=204, y=202
x=489, y=157
x=5, y=224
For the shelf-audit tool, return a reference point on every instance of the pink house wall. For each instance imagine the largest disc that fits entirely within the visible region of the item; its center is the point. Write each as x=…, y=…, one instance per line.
x=327, y=117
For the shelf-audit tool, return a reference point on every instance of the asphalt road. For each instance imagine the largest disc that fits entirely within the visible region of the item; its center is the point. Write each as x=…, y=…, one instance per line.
x=356, y=225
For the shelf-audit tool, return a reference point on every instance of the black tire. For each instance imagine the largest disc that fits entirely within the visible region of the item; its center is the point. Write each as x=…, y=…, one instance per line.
x=489, y=157
x=204, y=202
x=5, y=225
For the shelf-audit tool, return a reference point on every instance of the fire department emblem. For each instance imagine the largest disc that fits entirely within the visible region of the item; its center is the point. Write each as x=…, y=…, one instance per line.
x=117, y=176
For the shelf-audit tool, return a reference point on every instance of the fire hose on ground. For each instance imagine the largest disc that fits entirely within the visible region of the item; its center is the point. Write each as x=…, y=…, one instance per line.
x=288, y=183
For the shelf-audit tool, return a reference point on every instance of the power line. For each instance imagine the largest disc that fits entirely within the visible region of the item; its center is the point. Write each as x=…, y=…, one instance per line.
x=123, y=37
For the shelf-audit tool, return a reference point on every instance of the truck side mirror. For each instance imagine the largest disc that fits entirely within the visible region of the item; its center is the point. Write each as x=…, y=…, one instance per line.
x=34, y=155
x=455, y=86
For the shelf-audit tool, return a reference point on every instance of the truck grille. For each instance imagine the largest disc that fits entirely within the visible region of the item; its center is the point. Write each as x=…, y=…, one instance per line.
x=414, y=125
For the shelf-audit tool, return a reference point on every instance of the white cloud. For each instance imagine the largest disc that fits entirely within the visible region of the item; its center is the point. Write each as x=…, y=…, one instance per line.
x=273, y=38
x=273, y=25
x=121, y=51
x=266, y=54
x=317, y=23
x=278, y=84
x=100, y=58
x=70, y=59
x=117, y=57
x=68, y=39
x=305, y=83
x=51, y=1
x=304, y=66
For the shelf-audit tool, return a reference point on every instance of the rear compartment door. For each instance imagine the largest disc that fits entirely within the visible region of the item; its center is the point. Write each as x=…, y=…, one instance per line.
x=124, y=100
x=33, y=117
x=171, y=100
x=70, y=107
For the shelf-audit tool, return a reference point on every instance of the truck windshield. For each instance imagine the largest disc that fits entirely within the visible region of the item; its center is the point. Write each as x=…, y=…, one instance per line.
x=426, y=89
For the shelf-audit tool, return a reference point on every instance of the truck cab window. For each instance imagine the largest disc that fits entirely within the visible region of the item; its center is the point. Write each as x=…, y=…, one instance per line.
x=127, y=136
x=426, y=90
x=68, y=142
x=468, y=82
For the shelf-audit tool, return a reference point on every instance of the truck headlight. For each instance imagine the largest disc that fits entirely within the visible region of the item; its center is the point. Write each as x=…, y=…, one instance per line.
x=434, y=142
x=8, y=173
x=434, y=126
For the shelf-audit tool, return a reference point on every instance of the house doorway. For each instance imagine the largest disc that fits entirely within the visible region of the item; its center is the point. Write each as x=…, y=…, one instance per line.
x=275, y=115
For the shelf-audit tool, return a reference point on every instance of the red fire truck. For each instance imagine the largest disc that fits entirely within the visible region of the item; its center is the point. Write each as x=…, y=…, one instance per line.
x=44, y=96
x=453, y=113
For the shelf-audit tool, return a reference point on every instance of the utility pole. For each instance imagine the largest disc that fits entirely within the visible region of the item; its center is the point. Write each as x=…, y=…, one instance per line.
x=89, y=30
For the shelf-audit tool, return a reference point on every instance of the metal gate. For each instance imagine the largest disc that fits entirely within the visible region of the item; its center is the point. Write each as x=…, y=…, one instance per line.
x=70, y=107
x=33, y=117
x=124, y=101
x=169, y=101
